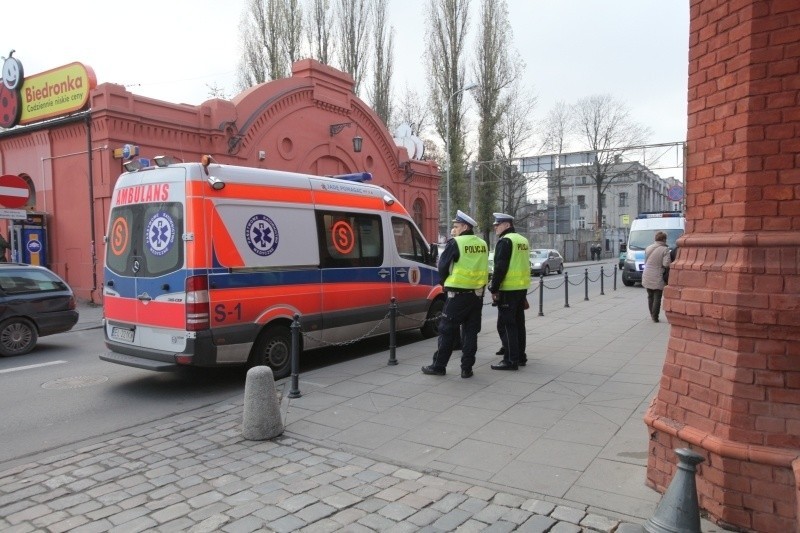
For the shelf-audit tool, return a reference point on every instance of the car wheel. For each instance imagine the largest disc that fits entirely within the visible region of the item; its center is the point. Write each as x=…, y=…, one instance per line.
x=18, y=336
x=431, y=327
x=627, y=283
x=547, y=270
x=273, y=348
x=560, y=268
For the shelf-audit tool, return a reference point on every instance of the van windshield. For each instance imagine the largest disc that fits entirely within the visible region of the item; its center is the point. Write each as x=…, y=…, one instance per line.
x=145, y=240
x=641, y=239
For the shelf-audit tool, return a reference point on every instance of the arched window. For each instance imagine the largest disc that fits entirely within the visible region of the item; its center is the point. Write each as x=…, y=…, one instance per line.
x=416, y=213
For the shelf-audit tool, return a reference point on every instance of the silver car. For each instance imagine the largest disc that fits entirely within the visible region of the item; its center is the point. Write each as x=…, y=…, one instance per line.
x=545, y=261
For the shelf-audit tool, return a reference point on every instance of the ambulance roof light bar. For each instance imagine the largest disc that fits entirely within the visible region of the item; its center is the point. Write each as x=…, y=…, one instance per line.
x=660, y=214
x=360, y=177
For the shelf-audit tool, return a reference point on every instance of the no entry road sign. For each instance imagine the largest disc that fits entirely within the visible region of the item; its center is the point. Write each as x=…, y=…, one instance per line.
x=14, y=191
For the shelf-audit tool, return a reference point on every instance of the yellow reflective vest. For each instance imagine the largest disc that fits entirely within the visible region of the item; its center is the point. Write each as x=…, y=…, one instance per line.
x=518, y=276
x=472, y=268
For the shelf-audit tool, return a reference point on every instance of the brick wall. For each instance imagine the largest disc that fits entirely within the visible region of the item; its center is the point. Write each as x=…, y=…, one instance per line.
x=730, y=387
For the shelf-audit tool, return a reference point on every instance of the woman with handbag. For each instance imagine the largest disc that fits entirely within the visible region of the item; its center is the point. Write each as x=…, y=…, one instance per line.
x=656, y=264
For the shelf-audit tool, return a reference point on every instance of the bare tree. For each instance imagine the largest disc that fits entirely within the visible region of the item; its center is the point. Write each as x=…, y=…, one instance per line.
x=604, y=126
x=412, y=110
x=556, y=129
x=381, y=93
x=353, y=20
x=292, y=29
x=319, y=31
x=516, y=132
x=263, y=57
x=447, y=24
x=495, y=71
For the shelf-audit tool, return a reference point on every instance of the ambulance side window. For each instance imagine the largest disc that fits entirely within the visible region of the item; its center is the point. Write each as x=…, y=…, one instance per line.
x=349, y=239
x=410, y=244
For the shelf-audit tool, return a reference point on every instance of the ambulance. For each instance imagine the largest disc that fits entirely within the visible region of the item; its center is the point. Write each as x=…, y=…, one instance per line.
x=207, y=264
x=643, y=233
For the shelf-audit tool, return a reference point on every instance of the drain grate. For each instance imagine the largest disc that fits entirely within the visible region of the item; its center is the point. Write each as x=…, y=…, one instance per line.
x=75, y=382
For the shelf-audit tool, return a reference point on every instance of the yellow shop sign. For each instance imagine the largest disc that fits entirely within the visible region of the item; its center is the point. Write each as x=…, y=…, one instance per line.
x=56, y=92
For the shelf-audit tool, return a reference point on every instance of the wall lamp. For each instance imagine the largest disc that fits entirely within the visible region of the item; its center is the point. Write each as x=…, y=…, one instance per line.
x=335, y=129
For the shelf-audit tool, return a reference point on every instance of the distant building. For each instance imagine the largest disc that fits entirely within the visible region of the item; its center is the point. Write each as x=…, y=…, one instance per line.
x=568, y=221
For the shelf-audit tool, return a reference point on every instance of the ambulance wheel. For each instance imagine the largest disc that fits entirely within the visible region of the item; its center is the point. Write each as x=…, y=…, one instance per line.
x=431, y=327
x=274, y=349
x=17, y=337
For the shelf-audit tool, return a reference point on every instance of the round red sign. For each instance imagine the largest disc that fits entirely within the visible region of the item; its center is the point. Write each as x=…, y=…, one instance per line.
x=14, y=191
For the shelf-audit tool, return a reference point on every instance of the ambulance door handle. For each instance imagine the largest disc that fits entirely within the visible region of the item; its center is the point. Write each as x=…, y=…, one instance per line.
x=383, y=272
x=401, y=272
x=144, y=297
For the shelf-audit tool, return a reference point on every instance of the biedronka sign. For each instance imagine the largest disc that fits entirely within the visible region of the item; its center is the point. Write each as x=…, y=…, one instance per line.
x=50, y=94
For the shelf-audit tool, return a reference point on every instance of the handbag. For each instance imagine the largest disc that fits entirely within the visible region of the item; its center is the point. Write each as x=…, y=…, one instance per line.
x=665, y=276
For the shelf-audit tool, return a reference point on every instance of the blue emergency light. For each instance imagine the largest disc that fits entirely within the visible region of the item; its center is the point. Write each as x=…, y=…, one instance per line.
x=360, y=177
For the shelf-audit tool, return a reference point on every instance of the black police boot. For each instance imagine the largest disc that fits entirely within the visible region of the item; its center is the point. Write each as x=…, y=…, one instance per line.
x=501, y=351
x=466, y=372
x=433, y=371
x=523, y=360
x=505, y=365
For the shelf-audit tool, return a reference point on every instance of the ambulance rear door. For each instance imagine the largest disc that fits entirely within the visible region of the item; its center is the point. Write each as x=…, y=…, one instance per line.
x=144, y=286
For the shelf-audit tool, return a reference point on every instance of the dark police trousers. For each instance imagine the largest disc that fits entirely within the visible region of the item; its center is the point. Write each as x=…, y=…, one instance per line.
x=511, y=324
x=461, y=309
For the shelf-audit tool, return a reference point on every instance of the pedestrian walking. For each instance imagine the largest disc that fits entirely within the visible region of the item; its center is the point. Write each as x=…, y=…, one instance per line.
x=509, y=288
x=463, y=270
x=656, y=260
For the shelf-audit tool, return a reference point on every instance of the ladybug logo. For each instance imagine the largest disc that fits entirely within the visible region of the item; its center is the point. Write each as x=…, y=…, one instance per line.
x=10, y=97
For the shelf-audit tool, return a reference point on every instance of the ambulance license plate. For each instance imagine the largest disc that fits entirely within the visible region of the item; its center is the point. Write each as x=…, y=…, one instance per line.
x=122, y=334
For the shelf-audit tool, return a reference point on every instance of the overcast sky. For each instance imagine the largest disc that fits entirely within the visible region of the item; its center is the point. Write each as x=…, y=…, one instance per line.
x=173, y=50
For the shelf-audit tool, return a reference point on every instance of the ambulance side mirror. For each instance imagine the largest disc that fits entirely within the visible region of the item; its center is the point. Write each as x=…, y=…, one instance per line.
x=434, y=254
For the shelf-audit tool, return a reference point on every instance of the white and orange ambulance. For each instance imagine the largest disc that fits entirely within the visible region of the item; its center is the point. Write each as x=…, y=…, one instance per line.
x=207, y=264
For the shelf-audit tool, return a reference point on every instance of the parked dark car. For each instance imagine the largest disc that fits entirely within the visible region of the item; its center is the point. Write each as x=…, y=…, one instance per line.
x=34, y=302
x=544, y=261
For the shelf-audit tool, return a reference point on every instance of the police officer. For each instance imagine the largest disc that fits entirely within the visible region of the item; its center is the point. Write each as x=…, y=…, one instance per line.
x=509, y=288
x=463, y=270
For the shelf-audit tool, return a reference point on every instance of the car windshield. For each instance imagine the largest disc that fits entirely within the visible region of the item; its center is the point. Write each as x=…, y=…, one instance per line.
x=539, y=254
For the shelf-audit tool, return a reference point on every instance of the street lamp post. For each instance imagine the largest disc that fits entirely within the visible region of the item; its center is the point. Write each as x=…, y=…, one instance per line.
x=467, y=87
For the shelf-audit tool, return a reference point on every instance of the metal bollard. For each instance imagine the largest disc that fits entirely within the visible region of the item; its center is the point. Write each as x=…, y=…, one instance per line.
x=566, y=289
x=294, y=392
x=601, y=280
x=678, y=510
x=615, y=279
x=392, y=332
x=586, y=283
x=541, y=295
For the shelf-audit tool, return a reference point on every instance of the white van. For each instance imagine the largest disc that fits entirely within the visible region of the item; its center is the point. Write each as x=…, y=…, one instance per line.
x=207, y=264
x=642, y=234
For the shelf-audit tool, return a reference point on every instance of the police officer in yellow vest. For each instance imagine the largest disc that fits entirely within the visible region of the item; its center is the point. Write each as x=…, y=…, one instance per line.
x=463, y=270
x=509, y=287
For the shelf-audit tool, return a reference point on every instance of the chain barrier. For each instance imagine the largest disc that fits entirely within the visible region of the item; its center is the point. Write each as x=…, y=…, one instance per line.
x=394, y=313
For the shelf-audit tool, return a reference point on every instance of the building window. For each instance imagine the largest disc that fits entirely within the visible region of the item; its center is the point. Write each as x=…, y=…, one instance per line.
x=583, y=180
x=417, y=214
x=602, y=200
x=604, y=222
x=561, y=200
x=581, y=223
x=582, y=201
x=623, y=199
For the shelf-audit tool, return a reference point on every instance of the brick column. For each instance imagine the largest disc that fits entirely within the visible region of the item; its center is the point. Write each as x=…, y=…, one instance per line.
x=730, y=387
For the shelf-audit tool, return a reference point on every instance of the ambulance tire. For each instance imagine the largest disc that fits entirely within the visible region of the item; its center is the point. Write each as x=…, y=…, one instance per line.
x=273, y=348
x=431, y=327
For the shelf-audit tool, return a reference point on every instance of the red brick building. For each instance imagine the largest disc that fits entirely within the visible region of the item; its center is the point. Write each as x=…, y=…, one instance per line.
x=306, y=123
x=730, y=388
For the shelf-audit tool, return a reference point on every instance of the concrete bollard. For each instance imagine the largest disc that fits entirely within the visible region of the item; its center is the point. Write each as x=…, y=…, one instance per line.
x=262, y=412
x=678, y=511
